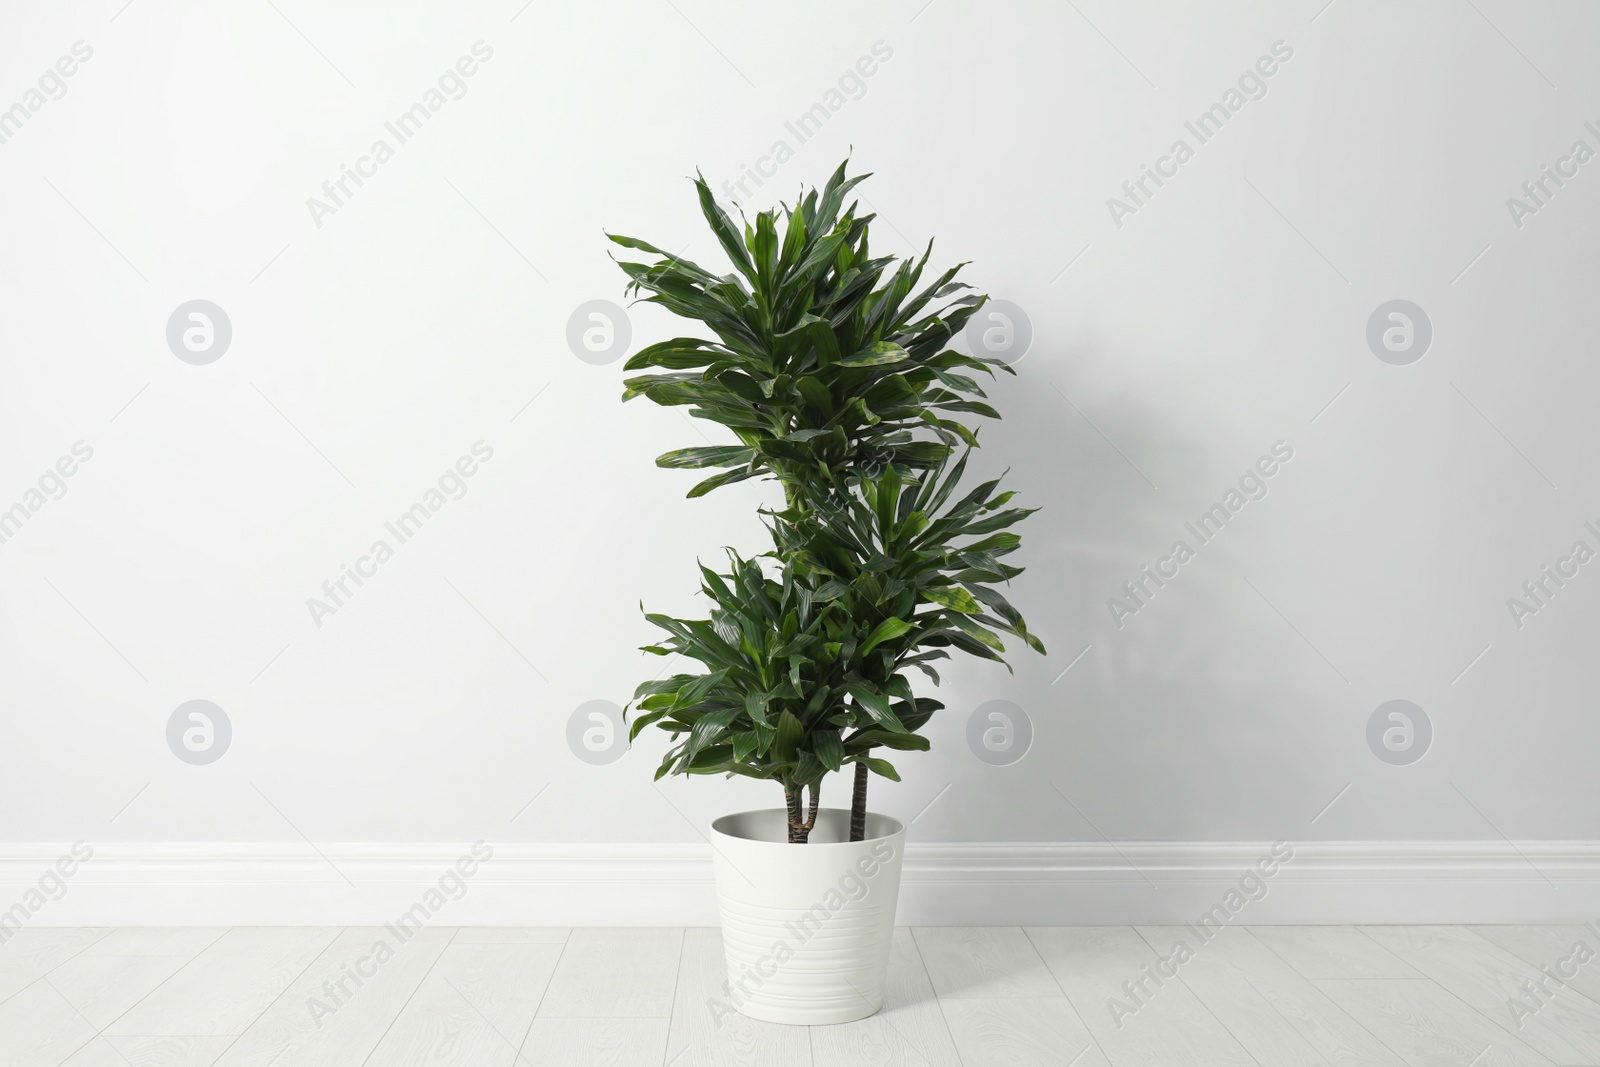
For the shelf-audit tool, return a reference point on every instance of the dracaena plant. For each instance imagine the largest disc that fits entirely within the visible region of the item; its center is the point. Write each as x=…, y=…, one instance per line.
x=834, y=378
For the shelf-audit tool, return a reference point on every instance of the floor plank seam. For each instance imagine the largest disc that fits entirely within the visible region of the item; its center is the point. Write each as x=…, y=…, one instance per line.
x=187, y=963
x=376, y=1045
x=69, y=959
x=1266, y=947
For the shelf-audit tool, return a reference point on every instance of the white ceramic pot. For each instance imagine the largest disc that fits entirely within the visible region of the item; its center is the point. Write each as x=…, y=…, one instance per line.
x=806, y=928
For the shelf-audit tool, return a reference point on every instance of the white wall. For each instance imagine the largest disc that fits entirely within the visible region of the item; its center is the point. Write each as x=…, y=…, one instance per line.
x=372, y=350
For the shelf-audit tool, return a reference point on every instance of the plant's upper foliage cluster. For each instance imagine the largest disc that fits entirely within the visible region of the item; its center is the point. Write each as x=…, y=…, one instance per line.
x=836, y=381
x=821, y=363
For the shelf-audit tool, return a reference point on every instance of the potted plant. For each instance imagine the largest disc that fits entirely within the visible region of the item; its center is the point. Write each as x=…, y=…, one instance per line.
x=831, y=370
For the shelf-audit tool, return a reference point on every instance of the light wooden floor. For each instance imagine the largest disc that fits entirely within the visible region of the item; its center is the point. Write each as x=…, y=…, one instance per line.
x=1427, y=996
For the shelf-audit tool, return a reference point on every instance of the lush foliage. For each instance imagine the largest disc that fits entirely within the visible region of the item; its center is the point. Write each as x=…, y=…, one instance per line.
x=821, y=365
x=875, y=585
x=830, y=368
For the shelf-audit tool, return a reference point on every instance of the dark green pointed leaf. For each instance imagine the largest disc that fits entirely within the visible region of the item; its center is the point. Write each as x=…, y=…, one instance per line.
x=878, y=354
x=716, y=480
x=709, y=456
x=880, y=766
x=887, y=630
x=786, y=744
x=954, y=598
x=828, y=748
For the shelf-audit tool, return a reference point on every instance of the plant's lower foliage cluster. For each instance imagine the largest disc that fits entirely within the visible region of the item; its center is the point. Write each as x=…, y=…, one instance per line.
x=807, y=670
x=775, y=700
x=838, y=385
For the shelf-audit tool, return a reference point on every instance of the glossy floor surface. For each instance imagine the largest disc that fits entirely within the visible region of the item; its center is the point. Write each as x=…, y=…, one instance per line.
x=1377, y=996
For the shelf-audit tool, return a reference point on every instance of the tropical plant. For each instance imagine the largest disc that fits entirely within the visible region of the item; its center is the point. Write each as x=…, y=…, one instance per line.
x=836, y=383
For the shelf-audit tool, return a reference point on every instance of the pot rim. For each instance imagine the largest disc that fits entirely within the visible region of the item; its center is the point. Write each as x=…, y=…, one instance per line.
x=898, y=829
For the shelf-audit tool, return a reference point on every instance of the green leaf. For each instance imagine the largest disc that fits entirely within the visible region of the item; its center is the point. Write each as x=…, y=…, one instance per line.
x=710, y=727
x=723, y=227
x=717, y=480
x=646, y=384
x=979, y=634
x=794, y=241
x=787, y=743
x=876, y=706
x=828, y=748
x=641, y=721
x=712, y=760
x=680, y=353
x=709, y=456
x=998, y=544
x=977, y=407
x=745, y=745
x=878, y=354
x=869, y=739
x=880, y=766
x=887, y=630
x=868, y=416
x=954, y=598
x=815, y=393
x=823, y=339
x=695, y=691
x=755, y=706
x=999, y=520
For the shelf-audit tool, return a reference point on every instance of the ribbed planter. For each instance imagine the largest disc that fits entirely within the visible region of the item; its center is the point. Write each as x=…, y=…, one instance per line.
x=806, y=928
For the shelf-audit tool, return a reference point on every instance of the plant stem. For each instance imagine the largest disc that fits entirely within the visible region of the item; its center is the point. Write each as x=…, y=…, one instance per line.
x=811, y=812
x=858, y=804
x=791, y=801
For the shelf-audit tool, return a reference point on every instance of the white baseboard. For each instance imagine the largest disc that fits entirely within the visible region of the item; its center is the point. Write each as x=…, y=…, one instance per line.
x=943, y=884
